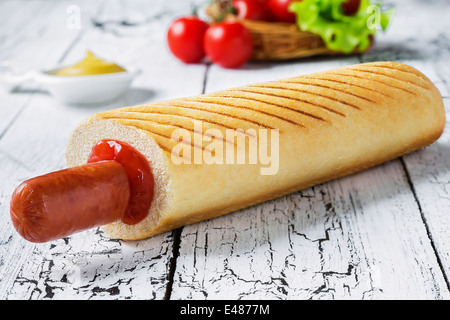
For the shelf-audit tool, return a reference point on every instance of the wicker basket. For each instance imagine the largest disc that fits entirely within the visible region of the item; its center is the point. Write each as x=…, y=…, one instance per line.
x=283, y=41
x=273, y=41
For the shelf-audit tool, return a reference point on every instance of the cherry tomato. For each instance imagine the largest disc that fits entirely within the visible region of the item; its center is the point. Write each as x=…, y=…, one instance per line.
x=350, y=7
x=279, y=9
x=252, y=9
x=228, y=44
x=185, y=39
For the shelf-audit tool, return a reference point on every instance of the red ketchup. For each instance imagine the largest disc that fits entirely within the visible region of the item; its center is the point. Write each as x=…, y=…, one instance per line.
x=139, y=174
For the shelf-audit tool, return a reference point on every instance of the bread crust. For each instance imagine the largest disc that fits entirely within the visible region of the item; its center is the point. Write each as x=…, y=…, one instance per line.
x=330, y=124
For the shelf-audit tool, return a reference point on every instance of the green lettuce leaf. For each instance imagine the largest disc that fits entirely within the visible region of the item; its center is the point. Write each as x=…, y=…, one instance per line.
x=340, y=32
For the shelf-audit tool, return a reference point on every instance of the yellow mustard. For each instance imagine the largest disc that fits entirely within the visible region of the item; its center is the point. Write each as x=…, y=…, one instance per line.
x=90, y=65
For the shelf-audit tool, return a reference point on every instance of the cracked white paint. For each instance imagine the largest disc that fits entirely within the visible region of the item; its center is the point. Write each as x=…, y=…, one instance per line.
x=379, y=234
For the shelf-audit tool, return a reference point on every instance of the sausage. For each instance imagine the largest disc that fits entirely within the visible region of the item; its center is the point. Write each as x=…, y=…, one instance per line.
x=61, y=203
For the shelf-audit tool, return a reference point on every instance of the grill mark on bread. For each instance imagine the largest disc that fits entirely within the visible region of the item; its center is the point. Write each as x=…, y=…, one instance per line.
x=389, y=76
x=374, y=80
x=311, y=92
x=294, y=99
x=222, y=103
x=348, y=83
x=332, y=88
x=192, y=144
x=172, y=104
x=168, y=124
x=188, y=117
x=409, y=72
x=371, y=69
x=280, y=106
x=164, y=148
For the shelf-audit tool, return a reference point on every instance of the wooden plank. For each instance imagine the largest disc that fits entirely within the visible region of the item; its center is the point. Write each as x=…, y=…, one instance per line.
x=16, y=41
x=30, y=51
x=359, y=237
x=429, y=169
x=88, y=265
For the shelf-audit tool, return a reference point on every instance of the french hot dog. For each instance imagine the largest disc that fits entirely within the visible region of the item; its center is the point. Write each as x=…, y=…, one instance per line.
x=330, y=124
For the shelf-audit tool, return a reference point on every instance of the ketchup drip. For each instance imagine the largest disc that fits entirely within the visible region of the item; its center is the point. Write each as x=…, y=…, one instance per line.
x=139, y=174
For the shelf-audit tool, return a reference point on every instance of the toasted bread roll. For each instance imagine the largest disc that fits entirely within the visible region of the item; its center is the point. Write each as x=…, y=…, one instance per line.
x=329, y=124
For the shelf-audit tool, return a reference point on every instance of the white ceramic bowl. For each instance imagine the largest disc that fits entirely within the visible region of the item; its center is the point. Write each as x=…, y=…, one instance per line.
x=89, y=89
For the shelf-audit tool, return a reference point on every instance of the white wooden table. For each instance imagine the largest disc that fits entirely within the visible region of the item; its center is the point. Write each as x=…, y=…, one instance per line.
x=379, y=234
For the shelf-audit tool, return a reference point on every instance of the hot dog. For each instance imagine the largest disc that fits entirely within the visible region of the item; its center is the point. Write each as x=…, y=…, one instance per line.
x=330, y=124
